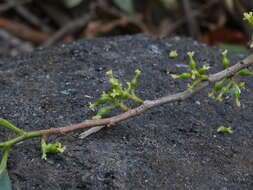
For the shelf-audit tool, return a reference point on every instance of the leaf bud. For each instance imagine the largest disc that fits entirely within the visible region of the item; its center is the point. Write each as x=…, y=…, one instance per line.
x=245, y=72
x=225, y=60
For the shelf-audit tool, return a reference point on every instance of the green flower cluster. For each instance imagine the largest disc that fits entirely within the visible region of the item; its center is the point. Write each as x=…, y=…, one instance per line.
x=117, y=96
x=197, y=75
x=50, y=148
x=228, y=85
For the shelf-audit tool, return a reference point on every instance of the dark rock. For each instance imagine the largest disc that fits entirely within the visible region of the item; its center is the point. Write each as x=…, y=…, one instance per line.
x=174, y=146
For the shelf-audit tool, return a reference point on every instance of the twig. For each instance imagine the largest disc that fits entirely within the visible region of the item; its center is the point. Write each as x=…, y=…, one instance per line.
x=194, y=14
x=90, y=131
x=23, y=31
x=148, y=104
x=9, y=5
x=191, y=20
x=72, y=26
x=58, y=15
x=98, y=124
x=30, y=17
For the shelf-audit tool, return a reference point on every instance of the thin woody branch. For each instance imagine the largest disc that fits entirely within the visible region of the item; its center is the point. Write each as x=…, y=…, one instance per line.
x=148, y=104
x=96, y=125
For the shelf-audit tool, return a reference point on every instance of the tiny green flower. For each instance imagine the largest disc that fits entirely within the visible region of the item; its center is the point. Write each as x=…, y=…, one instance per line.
x=173, y=54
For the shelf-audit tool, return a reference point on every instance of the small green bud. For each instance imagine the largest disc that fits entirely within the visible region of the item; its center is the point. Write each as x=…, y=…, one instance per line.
x=242, y=85
x=102, y=100
x=173, y=54
x=109, y=74
x=211, y=95
x=203, y=70
x=194, y=74
x=114, y=82
x=218, y=85
x=194, y=84
x=115, y=93
x=224, y=90
x=248, y=17
x=51, y=148
x=96, y=117
x=103, y=112
x=133, y=82
x=237, y=92
x=245, y=72
x=225, y=60
x=192, y=63
x=182, y=76
x=223, y=129
x=137, y=72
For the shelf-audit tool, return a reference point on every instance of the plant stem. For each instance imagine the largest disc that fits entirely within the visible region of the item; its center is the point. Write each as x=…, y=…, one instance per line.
x=5, y=154
x=134, y=98
x=20, y=138
x=10, y=126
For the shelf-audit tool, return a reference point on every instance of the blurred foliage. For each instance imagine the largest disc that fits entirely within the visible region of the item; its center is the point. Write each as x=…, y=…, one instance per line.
x=125, y=5
x=71, y=3
x=47, y=22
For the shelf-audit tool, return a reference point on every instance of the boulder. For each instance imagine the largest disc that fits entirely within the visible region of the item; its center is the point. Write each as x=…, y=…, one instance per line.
x=174, y=146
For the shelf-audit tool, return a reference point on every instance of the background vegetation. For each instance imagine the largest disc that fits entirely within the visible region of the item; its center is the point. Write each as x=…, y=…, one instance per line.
x=43, y=23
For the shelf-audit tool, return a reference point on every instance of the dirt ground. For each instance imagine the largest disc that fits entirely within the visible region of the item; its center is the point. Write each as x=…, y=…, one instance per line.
x=174, y=147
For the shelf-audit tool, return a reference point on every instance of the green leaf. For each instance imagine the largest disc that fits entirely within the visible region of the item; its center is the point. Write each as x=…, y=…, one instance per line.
x=5, y=182
x=125, y=5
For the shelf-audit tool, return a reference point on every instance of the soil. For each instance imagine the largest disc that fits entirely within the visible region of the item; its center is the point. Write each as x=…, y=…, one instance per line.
x=175, y=146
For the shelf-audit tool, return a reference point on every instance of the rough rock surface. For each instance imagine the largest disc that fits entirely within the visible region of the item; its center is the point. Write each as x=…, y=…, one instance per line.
x=175, y=146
